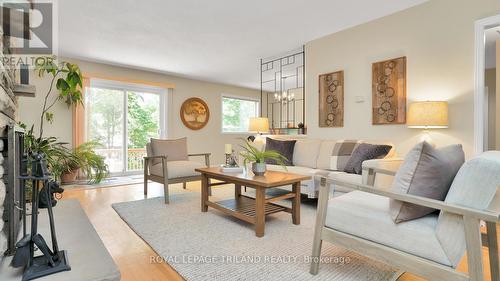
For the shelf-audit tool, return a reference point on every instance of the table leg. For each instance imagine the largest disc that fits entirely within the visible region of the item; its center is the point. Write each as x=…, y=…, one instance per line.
x=260, y=216
x=237, y=190
x=296, y=203
x=204, y=193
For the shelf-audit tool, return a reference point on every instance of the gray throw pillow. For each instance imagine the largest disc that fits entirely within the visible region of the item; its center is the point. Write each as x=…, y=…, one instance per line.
x=285, y=148
x=174, y=149
x=427, y=172
x=363, y=152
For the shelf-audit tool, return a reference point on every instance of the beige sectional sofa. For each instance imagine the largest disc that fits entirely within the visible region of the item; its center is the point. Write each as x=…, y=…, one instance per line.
x=313, y=157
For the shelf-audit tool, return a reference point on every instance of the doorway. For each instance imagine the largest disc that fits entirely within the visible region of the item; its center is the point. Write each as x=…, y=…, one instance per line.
x=487, y=94
x=122, y=118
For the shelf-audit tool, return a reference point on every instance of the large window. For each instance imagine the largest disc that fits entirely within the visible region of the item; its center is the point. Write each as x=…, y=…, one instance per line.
x=236, y=113
x=122, y=118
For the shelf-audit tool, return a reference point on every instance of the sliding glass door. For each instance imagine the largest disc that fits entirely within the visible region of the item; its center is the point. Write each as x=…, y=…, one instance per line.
x=122, y=118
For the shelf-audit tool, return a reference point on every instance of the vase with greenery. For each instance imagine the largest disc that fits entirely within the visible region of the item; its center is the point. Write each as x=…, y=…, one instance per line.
x=258, y=158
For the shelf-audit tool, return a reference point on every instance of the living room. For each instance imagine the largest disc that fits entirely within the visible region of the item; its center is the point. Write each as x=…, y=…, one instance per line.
x=352, y=144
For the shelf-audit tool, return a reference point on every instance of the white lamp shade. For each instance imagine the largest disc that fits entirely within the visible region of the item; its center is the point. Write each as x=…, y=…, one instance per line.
x=258, y=125
x=428, y=115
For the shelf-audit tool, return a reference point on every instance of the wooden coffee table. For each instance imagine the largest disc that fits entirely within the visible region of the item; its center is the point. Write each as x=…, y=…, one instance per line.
x=249, y=209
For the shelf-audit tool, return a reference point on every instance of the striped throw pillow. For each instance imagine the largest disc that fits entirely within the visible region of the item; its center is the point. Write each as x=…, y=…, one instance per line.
x=341, y=153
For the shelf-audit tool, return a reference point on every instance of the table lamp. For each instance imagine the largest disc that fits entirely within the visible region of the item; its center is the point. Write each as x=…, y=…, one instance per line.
x=428, y=115
x=258, y=125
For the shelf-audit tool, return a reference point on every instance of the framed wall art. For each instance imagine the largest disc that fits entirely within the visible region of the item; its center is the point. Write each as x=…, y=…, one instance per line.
x=389, y=92
x=194, y=113
x=331, y=99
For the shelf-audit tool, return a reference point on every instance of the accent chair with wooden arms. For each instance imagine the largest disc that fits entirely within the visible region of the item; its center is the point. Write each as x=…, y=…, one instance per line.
x=430, y=246
x=167, y=162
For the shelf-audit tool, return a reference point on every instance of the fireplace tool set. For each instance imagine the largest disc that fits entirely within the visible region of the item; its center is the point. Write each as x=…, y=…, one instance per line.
x=52, y=259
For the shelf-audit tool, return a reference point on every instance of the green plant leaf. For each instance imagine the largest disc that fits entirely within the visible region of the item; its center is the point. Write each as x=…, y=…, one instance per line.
x=49, y=116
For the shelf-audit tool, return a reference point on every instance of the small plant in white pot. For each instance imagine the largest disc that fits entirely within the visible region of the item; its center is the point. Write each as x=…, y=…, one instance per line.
x=258, y=158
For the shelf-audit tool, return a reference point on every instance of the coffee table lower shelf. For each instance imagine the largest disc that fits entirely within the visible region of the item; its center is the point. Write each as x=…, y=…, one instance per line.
x=243, y=208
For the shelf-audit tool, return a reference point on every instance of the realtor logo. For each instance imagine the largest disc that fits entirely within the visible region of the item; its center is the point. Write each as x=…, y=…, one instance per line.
x=30, y=25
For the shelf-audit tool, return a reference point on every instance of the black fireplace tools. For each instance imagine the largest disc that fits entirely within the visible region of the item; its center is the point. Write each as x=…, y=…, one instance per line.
x=52, y=259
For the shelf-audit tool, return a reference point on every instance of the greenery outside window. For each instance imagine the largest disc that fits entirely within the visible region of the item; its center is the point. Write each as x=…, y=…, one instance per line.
x=236, y=113
x=123, y=117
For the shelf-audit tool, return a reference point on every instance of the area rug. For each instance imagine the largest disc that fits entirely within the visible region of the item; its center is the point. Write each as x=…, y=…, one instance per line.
x=213, y=246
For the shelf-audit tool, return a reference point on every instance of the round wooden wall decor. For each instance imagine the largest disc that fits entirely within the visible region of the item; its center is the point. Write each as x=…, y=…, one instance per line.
x=194, y=113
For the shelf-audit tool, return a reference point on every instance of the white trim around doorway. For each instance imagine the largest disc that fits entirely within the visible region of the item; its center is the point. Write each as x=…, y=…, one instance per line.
x=480, y=27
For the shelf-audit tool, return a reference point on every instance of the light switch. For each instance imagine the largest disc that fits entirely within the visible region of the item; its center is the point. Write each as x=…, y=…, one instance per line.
x=359, y=99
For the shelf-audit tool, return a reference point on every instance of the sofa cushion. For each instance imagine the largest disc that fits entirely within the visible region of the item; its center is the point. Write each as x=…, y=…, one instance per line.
x=324, y=154
x=337, y=175
x=363, y=152
x=343, y=176
x=426, y=172
x=174, y=149
x=305, y=153
x=341, y=154
x=367, y=216
x=333, y=155
x=284, y=147
x=176, y=169
x=292, y=169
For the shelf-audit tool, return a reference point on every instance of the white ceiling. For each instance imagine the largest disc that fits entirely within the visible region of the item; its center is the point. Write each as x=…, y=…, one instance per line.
x=492, y=35
x=213, y=40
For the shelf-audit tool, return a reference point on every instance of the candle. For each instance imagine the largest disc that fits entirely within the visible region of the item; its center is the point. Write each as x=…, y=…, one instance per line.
x=228, y=148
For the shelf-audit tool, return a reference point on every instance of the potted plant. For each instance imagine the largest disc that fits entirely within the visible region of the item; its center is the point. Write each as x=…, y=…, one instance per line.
x=85, y=159
x=258, y=158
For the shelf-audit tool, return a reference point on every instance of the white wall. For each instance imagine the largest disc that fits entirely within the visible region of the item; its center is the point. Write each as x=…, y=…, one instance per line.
x=208, y=139
x=437, y=38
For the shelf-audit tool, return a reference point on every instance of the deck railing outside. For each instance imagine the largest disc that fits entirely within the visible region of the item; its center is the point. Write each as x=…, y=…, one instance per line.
x=114, y=158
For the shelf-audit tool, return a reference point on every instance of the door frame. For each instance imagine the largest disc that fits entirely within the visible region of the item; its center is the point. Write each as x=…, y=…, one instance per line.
x=164, y=95
x=480, y=27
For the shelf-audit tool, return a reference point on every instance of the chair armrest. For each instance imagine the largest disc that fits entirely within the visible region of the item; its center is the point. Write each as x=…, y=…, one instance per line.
x=383, y=166
x=417, y=200
x=155, y=157
x=207, y=157
x=146, y=162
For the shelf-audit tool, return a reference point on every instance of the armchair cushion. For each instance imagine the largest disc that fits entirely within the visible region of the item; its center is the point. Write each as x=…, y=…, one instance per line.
x=176, y=169
x=175, y=149
x=474, y=186
x=426, y=172
x=367, y=216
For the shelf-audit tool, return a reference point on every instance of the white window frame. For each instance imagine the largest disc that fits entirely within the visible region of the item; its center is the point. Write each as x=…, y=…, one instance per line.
x=244, y=98
x=124, y=87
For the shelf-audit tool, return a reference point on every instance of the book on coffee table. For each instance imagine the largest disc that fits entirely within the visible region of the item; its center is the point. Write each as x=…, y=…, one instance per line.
x=229, y=169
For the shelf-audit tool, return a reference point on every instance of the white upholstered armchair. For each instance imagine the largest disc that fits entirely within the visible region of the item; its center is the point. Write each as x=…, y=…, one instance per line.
x=167, y=162
x=431, y=246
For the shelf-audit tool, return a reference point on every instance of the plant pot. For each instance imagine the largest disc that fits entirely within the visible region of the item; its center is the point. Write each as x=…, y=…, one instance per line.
x=259, y=169
x=69, y=177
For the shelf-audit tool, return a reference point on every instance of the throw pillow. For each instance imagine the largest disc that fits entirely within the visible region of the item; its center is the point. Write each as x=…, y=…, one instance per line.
x=341, y=153
x=284, y=147
x=427, y=172
x=175, y=149
x=363, y=152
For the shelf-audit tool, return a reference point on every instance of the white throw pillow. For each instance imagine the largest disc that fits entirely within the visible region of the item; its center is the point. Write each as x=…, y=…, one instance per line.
x=305, y=153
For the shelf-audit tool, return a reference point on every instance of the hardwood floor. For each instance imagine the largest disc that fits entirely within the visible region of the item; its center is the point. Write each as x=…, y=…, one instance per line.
x=131, y=253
